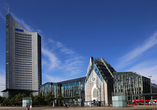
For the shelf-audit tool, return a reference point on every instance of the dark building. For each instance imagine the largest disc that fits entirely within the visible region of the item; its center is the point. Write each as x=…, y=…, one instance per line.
x=23, y=59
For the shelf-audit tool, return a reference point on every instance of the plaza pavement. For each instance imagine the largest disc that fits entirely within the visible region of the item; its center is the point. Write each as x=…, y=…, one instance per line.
x=140, y=107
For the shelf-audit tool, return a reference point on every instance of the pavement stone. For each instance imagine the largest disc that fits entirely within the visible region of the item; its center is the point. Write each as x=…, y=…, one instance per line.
x=140, y=107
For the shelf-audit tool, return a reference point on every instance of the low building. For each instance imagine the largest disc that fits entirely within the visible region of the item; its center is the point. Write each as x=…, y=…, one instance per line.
x=154, y=88
x=130, y=84
x=50, y=87
x=100, y=84
x=72, y=90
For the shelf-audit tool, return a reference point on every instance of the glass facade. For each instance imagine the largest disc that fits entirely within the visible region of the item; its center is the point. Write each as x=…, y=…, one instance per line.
x=72, y=90
x=130, y=84
x=50, y=87
x=100, y=84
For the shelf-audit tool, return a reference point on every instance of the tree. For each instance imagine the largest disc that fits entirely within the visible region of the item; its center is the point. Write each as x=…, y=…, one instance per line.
x=60, y=98
x=39, y=98
x=1, y=99
x=32, y=96
x=19, y=98
x=13, y=100
x=5, y=101
x=9, y=98
x=49, y=97
x=23, y=95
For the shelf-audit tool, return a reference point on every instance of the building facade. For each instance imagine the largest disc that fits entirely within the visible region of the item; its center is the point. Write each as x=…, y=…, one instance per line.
x=23, y=59
x=99, y=82
x=130, y=84
x=72, y=90
x=50, y=87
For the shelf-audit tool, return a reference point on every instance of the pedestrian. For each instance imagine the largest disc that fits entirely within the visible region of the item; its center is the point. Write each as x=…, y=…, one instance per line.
x=65, y=105
x=30, y=106
x=27, y=107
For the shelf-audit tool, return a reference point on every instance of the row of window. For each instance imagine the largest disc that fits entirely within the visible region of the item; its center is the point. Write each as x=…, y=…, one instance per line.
x=22, y=34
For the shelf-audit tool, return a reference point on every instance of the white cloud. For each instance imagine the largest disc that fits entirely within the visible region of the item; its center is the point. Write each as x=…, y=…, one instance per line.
x=130, y=57
x=52, y=61
x=23, y=24
x=63, y=58
x=140, y=60
x=5, y=6
x=39, y=31
x=53, y=79
x=146, y=69
x=64, y=50
x=74, y=65
x=73, y=62
x=2, y=82
x=2, y=16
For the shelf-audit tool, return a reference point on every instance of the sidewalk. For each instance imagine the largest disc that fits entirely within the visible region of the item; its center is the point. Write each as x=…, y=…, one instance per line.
x=130, y=107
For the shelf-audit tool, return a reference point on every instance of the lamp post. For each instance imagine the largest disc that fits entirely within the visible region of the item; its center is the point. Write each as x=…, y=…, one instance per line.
x=150, y=88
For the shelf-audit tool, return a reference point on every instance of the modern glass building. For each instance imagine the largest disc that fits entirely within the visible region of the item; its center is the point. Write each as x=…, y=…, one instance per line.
x=131, y=84
x=23, y=59
x=72, y=90
x=50, y=87
x=99, y=82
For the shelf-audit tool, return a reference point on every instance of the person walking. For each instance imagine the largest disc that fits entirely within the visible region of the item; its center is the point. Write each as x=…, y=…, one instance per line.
x=27, y=107
x=67, y=105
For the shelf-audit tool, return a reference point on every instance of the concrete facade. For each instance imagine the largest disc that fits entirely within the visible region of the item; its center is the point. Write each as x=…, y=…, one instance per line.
x=23, y=58
x=99, y=82
x=96, y=90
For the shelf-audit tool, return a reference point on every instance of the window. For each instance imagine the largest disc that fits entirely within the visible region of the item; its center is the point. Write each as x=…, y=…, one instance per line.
x=95, y=94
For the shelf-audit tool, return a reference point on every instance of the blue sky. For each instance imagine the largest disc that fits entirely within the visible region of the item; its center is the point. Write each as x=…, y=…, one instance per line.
x=123, y=32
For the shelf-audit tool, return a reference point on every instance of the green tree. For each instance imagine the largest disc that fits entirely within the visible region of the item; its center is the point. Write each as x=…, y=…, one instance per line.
x=5, y=101
x=60, y=98
x=9, y=99
x=24, y=95
x=13, y=100
x=49, y=98
x=32, y=96
x=19, y=98
x=39, y=98
x=1, y=99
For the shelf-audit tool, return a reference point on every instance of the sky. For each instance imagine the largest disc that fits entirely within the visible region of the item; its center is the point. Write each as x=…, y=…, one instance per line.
x=123, y=32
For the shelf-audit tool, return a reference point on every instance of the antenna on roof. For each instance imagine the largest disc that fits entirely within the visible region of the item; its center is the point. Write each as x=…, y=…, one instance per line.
x=8, y=9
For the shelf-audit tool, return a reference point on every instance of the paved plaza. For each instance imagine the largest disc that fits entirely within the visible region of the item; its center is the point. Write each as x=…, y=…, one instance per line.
x=142, y=107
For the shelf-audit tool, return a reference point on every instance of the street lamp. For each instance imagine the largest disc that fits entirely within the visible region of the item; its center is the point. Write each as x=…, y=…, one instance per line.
x=150, y=87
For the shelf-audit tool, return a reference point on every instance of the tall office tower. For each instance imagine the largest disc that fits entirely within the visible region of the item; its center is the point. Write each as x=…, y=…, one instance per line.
x=23, y=59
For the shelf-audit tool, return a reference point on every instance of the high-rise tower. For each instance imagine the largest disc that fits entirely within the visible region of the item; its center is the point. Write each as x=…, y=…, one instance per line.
x=23, y=59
